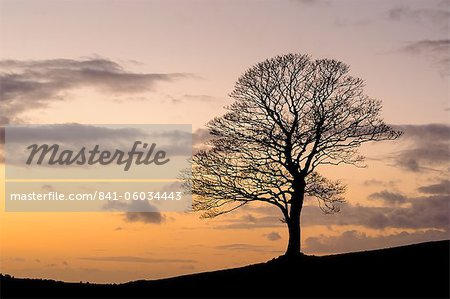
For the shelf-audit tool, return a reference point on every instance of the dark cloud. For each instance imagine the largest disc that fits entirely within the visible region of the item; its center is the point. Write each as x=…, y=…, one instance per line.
x=443, y=187
x=201, y=136
x=428, y=147
x=313, y=2
x=389, y=197
x=433, y=46
x=438, y=51
x=436, y=16
x=417, y=213
x=2, y=142
x=426, y=133
x=376, y=182
x=71, y=133
x=145, y=217
x=142, y=211
x=135, y=259
x=189, y=98
x=373, y=182
x=351, y=241
x=137, y=211
x=2, y=135
x=200, y=139
x=28, y=85
x=250, y=221
x=174, y=142
x=273, y=236
x=422, y=158
x=422, y=212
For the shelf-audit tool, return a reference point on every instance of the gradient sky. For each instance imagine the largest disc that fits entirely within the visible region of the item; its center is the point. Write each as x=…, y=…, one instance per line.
x=177, y=61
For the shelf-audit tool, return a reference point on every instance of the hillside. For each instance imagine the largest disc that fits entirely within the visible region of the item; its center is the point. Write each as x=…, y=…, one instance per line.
x=420, y=270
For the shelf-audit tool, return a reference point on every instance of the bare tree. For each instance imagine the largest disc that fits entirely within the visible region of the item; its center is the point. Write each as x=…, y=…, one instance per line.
x=291, y=114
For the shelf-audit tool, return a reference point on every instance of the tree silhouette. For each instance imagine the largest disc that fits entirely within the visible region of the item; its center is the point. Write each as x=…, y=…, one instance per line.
x=291, y=114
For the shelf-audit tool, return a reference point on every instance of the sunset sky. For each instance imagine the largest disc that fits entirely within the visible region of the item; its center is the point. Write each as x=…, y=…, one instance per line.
x=175, y=62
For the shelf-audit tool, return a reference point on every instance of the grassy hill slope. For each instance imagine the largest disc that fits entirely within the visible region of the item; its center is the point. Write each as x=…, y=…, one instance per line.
x=420, y=270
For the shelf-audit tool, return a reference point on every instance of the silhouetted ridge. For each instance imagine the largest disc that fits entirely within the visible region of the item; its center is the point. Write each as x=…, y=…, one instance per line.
x=419, y=270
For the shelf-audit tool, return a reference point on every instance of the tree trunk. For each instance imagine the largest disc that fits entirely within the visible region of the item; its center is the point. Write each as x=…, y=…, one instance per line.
x=293, y=248
x=293, y=222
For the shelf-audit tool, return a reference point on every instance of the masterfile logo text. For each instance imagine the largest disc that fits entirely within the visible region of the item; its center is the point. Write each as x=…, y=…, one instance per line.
x=78, y=167
x=52, y=155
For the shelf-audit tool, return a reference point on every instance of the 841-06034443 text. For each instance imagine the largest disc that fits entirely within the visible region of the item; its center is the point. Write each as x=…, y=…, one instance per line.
x=98, y=195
